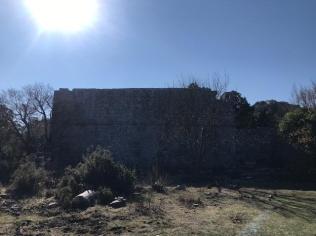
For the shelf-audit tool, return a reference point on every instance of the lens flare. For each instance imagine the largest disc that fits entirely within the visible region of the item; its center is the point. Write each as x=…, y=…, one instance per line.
x=63, y=15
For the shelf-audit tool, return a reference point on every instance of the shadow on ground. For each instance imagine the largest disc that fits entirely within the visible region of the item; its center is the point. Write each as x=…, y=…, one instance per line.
x=284, y=202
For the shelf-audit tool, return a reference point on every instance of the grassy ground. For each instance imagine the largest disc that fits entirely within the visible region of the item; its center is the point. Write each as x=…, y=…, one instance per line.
x=195, y=211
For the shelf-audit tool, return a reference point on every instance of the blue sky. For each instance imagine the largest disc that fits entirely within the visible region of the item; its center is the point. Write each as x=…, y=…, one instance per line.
x=265, y=46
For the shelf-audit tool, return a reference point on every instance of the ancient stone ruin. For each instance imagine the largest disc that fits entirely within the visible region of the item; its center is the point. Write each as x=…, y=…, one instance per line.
x=140, y=126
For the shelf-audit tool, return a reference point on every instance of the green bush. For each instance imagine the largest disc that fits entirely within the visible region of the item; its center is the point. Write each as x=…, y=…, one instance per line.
x=68, y=187
x=269, y=113
x=27, y=180
x=105, y=196
x=298, y=128
x=99, y=169
x=96, y=170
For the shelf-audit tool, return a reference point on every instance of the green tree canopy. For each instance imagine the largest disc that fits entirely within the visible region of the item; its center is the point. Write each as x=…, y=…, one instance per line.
x=269, y=113
x=299, y=129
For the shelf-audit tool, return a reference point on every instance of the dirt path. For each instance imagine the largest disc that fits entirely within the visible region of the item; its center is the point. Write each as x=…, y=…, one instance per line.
x=253, y=227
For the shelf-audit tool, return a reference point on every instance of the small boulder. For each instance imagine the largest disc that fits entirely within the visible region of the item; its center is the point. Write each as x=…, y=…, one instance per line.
x=195, y=205
x=118, y=202
x=15, y=210
x=52, y=205
x=180, y=187
x=84, y=200
x=15, y=207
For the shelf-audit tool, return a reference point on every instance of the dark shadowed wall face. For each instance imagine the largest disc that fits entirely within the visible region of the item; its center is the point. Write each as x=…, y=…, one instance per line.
x=132, y=123
x=177, y=129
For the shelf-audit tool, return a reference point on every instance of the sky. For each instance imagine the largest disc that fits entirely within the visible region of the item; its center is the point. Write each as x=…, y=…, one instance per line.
x=265, y=46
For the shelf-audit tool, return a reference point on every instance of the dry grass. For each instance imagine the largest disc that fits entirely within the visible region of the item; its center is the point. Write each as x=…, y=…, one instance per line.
x=248, y=212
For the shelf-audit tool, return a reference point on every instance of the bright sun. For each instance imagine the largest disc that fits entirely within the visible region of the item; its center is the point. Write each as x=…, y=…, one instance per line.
x=66, y=16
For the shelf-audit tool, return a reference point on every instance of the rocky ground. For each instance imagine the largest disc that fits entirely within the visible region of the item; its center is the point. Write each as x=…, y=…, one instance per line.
x=189, y=211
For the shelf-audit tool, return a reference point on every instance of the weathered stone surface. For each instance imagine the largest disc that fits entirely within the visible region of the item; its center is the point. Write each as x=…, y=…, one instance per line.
x=137, y=125
x=131, y=122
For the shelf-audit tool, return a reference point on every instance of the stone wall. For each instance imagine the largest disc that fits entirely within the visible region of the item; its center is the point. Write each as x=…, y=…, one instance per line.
x=141, y=125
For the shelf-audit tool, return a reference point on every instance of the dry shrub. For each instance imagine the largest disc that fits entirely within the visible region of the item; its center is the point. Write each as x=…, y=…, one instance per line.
x=238, y=218
x=148, y=207
x=105, y=196
x=190, y=201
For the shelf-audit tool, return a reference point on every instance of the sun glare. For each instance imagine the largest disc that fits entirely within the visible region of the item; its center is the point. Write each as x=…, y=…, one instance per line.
x=65, y=16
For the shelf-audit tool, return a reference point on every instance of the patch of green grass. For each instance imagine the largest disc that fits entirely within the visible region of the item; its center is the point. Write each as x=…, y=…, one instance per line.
x=277, y=224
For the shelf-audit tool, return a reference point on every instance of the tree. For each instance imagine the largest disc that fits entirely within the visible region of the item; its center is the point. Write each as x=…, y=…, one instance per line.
x=41, y=99
x=242, y=109
x=19, y=113
x=305, y=96
x=299, y=129
x=24, y=109
x=269, y=113
x=218, y=82
x=6, y=132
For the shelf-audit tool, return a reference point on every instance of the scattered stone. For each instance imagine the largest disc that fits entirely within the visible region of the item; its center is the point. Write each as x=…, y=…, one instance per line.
x=84, y=200
x=4, y=196
x=52, y=205
x=118, y=202
x=15, y=207
x=11, y=207
x=180, y=187
x=8, y=202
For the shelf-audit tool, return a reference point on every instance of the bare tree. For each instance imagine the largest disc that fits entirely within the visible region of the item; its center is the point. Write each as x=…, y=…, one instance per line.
x=19, y=113
x=41, y=97
x=218, y=82
x=26, y=106
x=191, y=81
x=305, y=96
